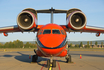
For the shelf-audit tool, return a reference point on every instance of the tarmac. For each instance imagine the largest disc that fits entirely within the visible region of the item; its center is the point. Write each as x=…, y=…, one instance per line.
x=19, y=60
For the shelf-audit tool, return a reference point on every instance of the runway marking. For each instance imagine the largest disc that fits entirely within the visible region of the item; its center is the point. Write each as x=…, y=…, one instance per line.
x=52, y=68
x=58, y=64
x=43, y=65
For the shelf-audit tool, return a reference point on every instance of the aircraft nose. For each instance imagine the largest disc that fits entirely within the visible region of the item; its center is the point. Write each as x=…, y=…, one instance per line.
x=51, y=41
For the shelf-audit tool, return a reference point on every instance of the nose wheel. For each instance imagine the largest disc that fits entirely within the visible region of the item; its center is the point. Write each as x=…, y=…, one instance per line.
x=51, y=64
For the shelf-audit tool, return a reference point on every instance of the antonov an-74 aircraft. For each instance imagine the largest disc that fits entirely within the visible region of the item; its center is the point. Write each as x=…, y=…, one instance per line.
x=51, y=38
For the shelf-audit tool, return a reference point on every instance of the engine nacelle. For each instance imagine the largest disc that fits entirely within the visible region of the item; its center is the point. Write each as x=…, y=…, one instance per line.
x=76, y=19
x=27, y=19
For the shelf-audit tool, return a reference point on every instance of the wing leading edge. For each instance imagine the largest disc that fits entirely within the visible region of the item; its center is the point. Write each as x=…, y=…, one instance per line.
x=90, y=29
x=15, y=28
x=9, y=29
x=93, y=29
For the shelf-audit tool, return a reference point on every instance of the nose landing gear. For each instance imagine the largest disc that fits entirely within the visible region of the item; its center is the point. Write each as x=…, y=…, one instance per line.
x=51, y=64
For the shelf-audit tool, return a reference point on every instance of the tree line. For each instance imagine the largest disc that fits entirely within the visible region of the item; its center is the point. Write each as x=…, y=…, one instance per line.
x=20, y=44
x=85, y=46
x=17, y=44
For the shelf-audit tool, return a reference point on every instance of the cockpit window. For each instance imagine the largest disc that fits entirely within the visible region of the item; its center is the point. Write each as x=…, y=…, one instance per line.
x=47, y=31
x=55, y=31
x=62, y=31
x=40, y=32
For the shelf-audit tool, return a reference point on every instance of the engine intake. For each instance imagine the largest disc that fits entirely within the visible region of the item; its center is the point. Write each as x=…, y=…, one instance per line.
x=27, y=19
x=76, y=19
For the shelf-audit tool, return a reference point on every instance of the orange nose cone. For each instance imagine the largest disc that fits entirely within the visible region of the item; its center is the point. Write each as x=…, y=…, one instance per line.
x=51, y=40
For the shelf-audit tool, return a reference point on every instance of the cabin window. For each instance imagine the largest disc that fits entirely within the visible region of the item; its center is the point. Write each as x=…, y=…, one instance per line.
x=55, y=31
x=47, y=31
x=62, y=31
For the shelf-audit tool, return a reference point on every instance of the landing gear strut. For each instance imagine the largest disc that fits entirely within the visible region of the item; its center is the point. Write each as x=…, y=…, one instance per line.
x=68, y=57
x=51, y=63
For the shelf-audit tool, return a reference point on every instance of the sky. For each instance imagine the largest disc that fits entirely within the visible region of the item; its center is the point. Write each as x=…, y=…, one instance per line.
x=93, y=9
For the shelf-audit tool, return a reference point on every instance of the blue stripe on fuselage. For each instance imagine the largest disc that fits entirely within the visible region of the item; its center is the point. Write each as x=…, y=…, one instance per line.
x=61, y=45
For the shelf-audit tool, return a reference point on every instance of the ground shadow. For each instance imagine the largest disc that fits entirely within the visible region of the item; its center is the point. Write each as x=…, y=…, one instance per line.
x=7, y=55
x=42, y=59
x=25, y=58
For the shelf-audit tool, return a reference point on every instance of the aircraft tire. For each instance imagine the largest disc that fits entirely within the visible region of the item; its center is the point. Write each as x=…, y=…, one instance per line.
x=54, y=63
x=68, y=59
x=34, y=58
x=48, y=63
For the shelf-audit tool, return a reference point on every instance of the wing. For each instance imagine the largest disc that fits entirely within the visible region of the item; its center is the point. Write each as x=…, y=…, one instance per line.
x=93, y=29
x=6, y=30
x=89, y=29
x=15, y=28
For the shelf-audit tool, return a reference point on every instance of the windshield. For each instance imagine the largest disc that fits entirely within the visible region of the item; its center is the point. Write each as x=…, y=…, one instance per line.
x=55, y=31
x=47, y=31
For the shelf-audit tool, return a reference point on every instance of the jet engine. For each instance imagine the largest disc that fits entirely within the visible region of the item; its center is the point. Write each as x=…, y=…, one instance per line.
x=27, y=19
x=76, y=19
